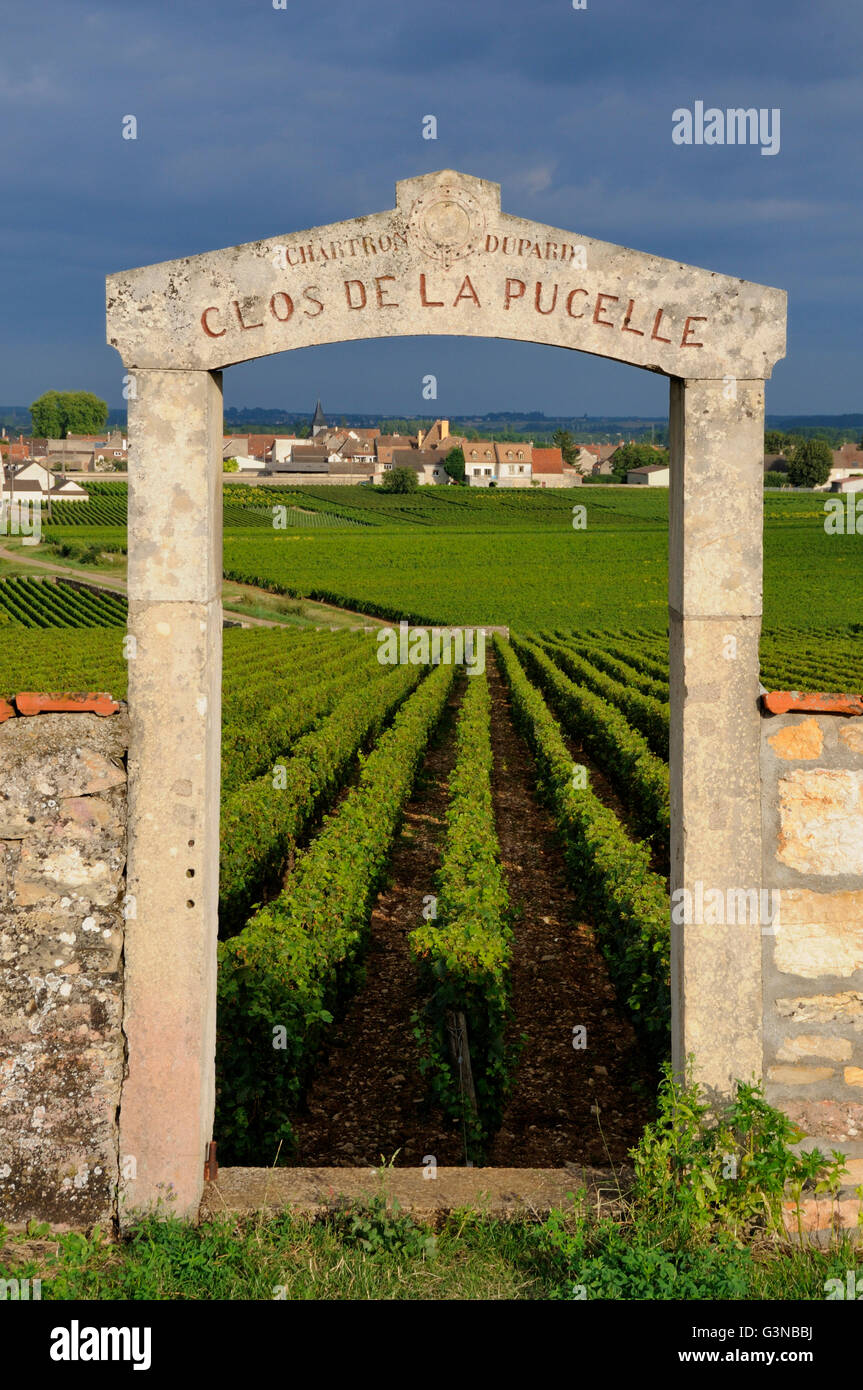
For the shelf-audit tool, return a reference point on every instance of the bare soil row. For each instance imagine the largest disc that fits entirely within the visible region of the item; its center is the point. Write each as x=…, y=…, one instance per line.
x=568, y=1105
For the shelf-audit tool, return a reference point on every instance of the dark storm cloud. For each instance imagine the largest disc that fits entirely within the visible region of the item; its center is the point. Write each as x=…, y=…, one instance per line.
x=254, y=122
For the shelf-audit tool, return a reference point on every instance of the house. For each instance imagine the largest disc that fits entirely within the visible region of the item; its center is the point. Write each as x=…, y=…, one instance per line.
x=108, y=449
x=233, y=445
x=27, y=493
x=427, y=463
x=83, y=452
x=387, y=444
x=306, y=462
x=67, y=490
x=847, y=460
x=603, y=453
x=652, y=475
x=260, y=447
x=71, y=454
x=348, y=448
x=513, y=464
x=34, y=480
x=348, y=471
x=549, y=469
x=304, y=458
x=480, y=463
x=282, y=446
x=34, y=473
x=438, y=437
x=852, y=484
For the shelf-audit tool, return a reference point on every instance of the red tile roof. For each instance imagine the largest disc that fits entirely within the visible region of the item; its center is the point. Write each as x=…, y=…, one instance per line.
x=547, y=461
x=260, y=444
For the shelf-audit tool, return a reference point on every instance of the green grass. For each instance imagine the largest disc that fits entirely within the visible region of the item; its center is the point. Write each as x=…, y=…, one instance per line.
x=683, y=1230
x=469, y=1257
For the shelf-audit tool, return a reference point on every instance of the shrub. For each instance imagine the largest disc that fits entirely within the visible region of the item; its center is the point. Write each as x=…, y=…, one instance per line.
x=400, y=480
x=621, y=751
x=261, y=823
x=282, y=977
x=700, y=1164
x=644, y=713
x=464, y=951
x=611, y=873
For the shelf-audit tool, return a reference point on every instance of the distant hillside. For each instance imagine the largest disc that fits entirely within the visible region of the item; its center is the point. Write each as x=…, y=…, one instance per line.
x=503, y=424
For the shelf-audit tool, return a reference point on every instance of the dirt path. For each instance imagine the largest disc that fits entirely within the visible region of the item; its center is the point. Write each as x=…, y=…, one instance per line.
x=367, y=1098
x=66, y=571
x=109, y=582
x=559, y=980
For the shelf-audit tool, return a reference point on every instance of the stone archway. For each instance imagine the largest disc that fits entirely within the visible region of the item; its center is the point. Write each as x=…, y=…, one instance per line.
x=446, y=260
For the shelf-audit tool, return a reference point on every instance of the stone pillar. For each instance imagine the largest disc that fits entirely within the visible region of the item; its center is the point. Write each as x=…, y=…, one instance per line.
x=175, y=621
x=715, y=580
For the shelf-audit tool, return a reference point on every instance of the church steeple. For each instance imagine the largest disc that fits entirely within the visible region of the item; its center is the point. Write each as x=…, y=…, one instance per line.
x=319, y=420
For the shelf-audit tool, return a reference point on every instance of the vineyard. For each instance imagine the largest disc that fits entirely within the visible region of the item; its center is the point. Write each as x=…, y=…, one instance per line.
x=106, y=506
x=529, y=561
x=49, y=603
x=428, y=880
x=243, y=506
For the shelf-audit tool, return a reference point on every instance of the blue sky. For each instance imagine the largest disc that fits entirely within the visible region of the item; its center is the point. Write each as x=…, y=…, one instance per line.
x=254, y=122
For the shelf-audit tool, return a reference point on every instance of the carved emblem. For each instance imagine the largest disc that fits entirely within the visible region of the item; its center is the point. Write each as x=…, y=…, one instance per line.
x=447, y=223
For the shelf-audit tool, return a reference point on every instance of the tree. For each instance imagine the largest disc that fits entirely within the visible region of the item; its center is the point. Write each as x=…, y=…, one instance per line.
x=230, y=466
x=563, y=440
x=58, y=413
x=810, y=463
x=779, y=442
x=47, y=416
x=85, y=413
x=454, y=464
x=630, y=456
x=400, y=480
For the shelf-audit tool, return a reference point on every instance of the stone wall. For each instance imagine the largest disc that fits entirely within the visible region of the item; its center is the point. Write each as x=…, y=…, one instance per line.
x=62, y=889
x=812, y=800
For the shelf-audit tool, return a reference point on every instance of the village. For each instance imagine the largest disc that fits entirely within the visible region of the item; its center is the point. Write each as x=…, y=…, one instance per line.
x=345, y=455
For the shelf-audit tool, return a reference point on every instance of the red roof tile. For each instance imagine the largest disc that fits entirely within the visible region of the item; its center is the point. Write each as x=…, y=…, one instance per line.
x=781, y=701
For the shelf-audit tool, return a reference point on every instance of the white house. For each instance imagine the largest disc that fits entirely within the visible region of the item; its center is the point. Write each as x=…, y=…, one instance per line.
x=35, y=481
x=652, y=475
x=36, y=473
x=283, y=447
x=69, y=491
x=846, y=462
